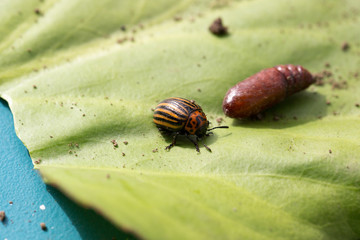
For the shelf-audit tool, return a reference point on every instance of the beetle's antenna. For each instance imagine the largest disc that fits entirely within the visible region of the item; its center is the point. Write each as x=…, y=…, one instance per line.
x=218, y=127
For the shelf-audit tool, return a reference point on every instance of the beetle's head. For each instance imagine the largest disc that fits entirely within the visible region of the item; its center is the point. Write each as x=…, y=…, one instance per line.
x=197, y=124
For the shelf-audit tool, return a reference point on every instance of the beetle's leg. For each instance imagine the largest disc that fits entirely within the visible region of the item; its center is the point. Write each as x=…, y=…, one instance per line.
x=209, y=149
x=209, y=134
x=204, y=145
x=195, y=143
x=164, y=132
x=173, y=142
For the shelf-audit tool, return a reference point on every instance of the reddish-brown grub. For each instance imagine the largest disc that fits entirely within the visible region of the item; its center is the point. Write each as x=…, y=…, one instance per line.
x=265, y=89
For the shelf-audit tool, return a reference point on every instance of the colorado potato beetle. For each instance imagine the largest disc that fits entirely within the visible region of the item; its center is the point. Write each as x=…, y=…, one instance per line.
x=180, y=116
x=265, y=89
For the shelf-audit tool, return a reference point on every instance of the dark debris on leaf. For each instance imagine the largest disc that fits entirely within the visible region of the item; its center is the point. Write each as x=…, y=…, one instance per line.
x=217, y=28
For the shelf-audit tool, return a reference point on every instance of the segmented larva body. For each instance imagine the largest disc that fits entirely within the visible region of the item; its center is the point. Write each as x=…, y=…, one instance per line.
x=265, y=89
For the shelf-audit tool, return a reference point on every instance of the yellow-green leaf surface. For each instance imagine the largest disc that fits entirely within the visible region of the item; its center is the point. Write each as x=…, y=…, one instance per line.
x=80, y=74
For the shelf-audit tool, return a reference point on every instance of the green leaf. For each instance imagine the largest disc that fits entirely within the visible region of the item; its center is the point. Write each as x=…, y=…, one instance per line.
x=75, y=81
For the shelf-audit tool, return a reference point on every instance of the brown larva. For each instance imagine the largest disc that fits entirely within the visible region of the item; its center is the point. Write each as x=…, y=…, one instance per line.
x=265, y=89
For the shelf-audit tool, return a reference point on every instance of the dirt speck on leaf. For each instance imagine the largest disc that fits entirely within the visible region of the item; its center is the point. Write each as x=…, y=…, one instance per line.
x=121, y=40
x=38, y=12
x=276, y=118
x=177, y=19
x=219, y=120
x=115, y=144
x=217, y=28
x=345, y=46
x=37, y=161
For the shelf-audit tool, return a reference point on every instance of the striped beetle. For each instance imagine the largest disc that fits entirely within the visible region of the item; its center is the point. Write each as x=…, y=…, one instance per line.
x=182, y=117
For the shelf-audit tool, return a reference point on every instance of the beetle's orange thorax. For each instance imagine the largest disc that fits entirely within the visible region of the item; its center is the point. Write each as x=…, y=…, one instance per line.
x=197, y=123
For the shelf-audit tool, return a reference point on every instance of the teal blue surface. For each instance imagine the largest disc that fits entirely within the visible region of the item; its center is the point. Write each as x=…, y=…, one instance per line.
x=34, y=202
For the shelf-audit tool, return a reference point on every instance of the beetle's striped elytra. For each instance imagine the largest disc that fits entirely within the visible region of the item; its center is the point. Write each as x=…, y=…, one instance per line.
x=182, y=117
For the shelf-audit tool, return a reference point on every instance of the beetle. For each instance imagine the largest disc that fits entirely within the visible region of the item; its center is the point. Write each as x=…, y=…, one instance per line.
x=180, y=116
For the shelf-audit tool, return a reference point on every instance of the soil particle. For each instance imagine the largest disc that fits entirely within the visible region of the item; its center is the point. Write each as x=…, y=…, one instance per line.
x=37, y=161
x=126, y=142
x=155, y=150
x=115, y=144
x=276, y=118
x=2, y=216
x=43, y=226
x=345, y=46
x=217, y=28
x=121, y=40
x=37, y=11
x=339, y=85
x=177, y=19
x=327, y=73
x=219, y=120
